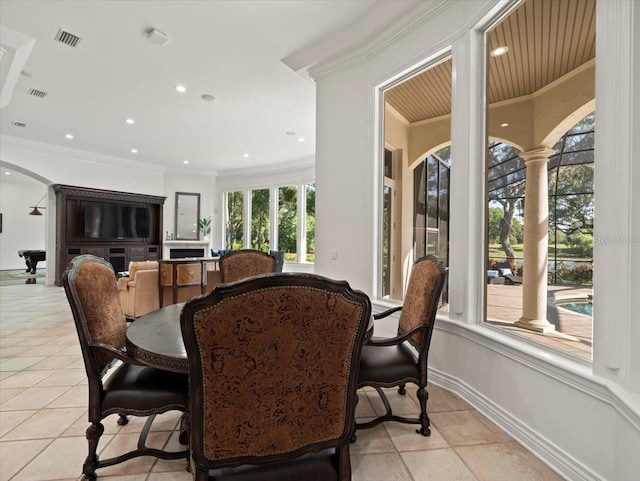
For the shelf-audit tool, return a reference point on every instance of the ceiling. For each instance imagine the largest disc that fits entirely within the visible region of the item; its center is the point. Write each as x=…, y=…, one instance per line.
x=231, y=50
x=546, y=38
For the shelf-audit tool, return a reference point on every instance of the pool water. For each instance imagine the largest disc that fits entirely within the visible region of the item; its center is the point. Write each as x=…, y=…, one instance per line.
x=581, y=307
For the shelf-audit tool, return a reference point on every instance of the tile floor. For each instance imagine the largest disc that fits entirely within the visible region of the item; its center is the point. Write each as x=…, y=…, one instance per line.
x=43, y=402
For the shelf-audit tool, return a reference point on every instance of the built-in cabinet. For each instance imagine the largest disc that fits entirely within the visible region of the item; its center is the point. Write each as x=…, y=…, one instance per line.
x=72, y=205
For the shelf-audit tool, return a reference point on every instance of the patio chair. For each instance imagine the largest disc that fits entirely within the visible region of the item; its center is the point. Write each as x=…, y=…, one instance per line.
x=504, y=270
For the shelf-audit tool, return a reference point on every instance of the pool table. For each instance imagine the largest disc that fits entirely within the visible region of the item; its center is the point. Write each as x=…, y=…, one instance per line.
x=32, y=258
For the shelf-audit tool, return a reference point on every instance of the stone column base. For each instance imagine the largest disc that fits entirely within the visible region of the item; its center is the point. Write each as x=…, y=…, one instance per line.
x=537, y=325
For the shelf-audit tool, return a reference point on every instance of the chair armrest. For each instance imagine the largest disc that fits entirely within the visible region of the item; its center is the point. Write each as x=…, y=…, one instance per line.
x=117, y=353
x=392, y=341
x=123, y=283
x=387, y=312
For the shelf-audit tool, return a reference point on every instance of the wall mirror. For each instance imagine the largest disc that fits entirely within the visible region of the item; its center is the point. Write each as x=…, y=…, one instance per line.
x=187, y=215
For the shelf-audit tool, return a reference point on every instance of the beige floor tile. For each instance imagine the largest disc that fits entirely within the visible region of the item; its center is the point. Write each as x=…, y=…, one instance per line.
x=54, y=363
x=18, y=363
x=364, y=409
x=378, y=467
x=16, y=454
x=46, y=423
x=24, y=379
x=182, y=475
x=10, y=393
x=11, y=419
x=373, y=440
x=61, y=459
x=171, y=465
x=49, y=350
x=438, y=465
x=405, y=438
x=64, y=377
x=34, y=398
x=80, y=425
x=77, y=396
x=443, y=400
x=13, y=351
x=505, y=462
x=464, y=427
x=400, y=404
x=122, y=443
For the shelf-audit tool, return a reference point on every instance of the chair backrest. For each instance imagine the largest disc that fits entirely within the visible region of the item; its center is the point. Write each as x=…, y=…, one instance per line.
x=421, y=299
x=240, y=264
x=91, y=288
x=273, y=365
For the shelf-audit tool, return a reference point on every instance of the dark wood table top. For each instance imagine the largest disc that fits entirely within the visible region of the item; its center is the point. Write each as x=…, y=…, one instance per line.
x=155, y=339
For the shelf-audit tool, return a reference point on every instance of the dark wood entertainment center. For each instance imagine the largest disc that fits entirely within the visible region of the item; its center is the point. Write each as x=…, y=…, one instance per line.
x=72, y=241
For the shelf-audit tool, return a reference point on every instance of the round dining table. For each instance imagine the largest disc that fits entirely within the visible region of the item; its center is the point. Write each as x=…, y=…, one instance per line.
x=155, y=339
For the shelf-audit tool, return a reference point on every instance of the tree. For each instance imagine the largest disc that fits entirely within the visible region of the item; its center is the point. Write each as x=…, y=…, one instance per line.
x=260, y=219
x=288, y=219
x=506, y=187
x=235, y=226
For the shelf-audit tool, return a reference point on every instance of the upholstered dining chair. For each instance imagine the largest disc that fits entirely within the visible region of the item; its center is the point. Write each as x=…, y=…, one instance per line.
x=129, y=389
x=273, y=364
x=401, y=359
x=240, y=264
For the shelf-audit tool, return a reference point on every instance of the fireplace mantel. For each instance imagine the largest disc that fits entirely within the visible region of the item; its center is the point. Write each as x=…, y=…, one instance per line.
x=184, y=244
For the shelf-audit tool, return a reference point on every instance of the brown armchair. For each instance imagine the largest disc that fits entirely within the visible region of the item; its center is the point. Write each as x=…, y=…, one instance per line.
x=130, y=389
x=139, y=292
x=237, y=265
x=273, y=362
x=392, y=362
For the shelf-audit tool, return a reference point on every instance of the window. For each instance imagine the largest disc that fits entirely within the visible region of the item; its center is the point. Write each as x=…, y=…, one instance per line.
x=540, y=198
x=234, y=226
x=280, y=218
x=414, y=197
x=260, y=219
x=288, y=222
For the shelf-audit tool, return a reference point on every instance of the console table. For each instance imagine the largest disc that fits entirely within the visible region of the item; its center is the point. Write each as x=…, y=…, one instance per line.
x=177, y=273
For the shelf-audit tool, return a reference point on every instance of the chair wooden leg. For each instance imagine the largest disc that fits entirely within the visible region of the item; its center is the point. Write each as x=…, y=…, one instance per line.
x=122, y=419
x=423, y=396
x=91, y=463
x=401, y=390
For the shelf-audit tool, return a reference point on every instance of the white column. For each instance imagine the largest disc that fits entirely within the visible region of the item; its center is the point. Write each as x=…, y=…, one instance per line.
x=536, y=242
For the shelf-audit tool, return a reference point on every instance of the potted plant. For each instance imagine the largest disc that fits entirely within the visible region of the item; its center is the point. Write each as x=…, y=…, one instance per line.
x=205, y=226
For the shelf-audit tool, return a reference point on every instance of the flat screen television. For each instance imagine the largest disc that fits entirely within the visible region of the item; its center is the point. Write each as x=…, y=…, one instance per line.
x=115, y=221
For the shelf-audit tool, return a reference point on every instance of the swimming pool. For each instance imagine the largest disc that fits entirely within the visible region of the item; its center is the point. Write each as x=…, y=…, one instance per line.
x=581, y=306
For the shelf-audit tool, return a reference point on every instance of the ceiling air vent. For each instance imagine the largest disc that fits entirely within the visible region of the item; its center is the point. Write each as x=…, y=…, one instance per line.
x=67, y=38
x=37, y=93
x=18, y=124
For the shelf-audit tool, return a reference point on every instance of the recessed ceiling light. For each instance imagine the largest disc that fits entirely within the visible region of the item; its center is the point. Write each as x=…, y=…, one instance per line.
x=291, y=133
x=496, y=52
x=68, y=136
x=245, y=155
x=180, y=88
x=185, y=161
x=505, y=124
x=300, y=139
x=7, y=173
x=207, y=97
x=134, y=151
x=130, y=121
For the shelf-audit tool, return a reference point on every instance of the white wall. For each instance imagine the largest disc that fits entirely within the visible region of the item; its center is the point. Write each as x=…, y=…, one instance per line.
x=584, y=425
x=20, y=230
x=203, y=185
